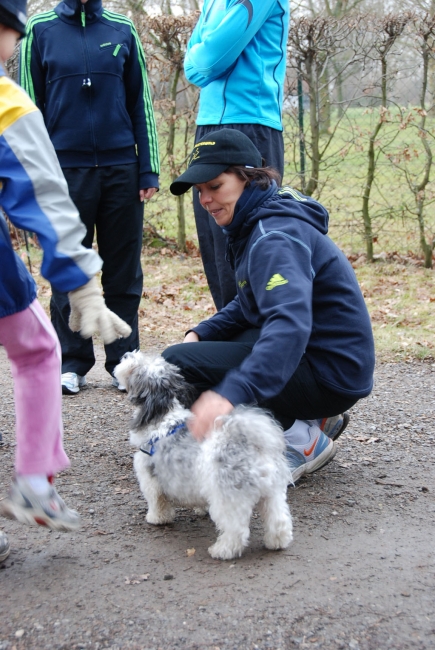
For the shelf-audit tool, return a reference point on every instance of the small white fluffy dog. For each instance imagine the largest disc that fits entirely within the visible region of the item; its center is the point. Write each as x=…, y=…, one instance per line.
x=240, y=465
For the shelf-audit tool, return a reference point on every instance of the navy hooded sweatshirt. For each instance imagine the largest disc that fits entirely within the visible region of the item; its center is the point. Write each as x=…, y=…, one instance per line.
x=85, y=69
x=296, y=285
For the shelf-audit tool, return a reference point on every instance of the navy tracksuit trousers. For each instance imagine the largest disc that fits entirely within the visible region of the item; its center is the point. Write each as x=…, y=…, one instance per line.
x=205, y=364
x=219, y=274
x=107, y=199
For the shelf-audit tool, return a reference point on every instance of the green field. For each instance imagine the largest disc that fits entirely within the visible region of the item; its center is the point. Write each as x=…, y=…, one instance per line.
x=398, y=150
x=342, y=178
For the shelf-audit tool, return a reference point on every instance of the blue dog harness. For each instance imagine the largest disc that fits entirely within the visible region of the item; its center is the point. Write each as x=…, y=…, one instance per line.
x=151, y=444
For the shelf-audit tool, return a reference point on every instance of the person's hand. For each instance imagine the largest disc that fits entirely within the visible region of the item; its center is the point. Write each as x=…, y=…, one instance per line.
x=89, y=314
x=206, y=409
x=146, y=194
x=191, y=337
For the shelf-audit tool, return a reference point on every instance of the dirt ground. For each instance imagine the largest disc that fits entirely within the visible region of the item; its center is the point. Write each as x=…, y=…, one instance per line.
x=360, y=573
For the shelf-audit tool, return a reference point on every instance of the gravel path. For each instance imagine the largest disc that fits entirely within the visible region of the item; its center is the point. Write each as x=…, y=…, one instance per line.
x=360, y=573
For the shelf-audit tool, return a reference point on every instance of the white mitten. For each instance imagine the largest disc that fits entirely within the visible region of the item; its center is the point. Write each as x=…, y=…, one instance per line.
x=89, y=314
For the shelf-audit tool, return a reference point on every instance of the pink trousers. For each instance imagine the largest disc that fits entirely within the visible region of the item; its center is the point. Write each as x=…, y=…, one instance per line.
x=34, y=352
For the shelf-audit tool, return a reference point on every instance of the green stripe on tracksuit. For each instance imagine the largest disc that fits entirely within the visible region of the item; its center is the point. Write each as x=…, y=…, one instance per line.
x=149, y=112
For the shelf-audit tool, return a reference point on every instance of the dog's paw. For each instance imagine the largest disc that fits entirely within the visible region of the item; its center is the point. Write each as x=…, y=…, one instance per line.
x=221, y=551
x=160, y=518
x=281, y=537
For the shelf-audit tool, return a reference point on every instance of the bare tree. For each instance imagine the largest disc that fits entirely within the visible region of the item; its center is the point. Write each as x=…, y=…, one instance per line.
x=391, y=27
x=313, y=44
x=174, y=99
x=416, y=119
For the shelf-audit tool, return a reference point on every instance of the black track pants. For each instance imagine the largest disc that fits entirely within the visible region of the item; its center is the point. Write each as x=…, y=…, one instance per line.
x=107, y=199
x=205, y=364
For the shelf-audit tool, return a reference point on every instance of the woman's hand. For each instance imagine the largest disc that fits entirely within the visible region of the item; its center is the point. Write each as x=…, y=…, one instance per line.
x=206, y=409
x=147, y=193
x=191, y=337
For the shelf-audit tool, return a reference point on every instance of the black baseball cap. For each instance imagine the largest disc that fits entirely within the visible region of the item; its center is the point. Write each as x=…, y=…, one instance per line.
x=13, y=14
x=213, y=154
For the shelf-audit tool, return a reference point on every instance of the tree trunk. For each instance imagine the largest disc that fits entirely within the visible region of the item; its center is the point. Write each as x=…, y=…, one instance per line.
x=324, y=102
x=368, y=230
x=314, y=129
x=170, y=148
x=419, y=190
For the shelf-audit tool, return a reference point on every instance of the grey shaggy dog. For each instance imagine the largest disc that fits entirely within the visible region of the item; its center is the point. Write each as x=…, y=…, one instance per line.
x=239, y=466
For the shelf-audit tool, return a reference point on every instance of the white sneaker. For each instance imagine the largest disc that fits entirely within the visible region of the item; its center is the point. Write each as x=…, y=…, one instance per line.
x=317, y=451
x=72, y=382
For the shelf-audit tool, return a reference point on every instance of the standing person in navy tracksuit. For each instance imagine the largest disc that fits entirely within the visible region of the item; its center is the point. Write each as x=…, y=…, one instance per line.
x=85, y=69
x=237, y=57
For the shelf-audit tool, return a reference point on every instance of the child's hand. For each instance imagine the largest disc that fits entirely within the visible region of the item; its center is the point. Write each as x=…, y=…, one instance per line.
x=89, y=314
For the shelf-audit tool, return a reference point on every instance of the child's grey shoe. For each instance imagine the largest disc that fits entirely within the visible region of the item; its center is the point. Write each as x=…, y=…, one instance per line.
x=28, y=507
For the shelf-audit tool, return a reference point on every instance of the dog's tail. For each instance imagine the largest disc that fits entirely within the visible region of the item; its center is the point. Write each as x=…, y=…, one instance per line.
x=250, y=437
x=258, y=427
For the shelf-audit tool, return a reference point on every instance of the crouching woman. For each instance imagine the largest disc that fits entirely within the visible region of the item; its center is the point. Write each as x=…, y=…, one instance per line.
x=297, y=338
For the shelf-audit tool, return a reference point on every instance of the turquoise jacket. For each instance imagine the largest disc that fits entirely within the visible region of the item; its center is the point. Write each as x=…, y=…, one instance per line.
x=237, y=56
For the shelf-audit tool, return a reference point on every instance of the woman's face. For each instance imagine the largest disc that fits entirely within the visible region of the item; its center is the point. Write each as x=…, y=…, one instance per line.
x=219, y=196
x=8, y=40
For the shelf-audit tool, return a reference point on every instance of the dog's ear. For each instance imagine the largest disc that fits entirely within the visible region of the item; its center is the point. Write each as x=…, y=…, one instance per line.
x=178, y=386
x=154, y=389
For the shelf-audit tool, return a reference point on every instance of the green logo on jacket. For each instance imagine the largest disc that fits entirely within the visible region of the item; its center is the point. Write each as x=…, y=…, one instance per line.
x=275, y=281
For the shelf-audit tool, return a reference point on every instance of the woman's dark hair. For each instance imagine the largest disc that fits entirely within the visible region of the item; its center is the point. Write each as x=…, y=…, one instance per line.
x=262, y=176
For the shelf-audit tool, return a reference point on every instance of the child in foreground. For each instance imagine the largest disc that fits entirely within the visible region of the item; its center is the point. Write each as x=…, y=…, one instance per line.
x=34, y=195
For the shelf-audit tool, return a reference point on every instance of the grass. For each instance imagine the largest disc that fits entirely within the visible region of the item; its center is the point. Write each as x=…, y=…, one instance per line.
x=401, y=301
x=399, y=148
x=399, y=293
x=341, y=182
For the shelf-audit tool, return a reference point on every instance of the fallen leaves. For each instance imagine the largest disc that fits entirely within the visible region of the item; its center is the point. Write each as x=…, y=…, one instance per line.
x=379, y=482
x=136, y=580
x=119, y=490
x=100, y=532
x=367, y=439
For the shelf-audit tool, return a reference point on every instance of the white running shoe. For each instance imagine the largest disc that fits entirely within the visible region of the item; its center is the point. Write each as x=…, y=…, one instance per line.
x=307, y=458
x=72, y=382
x=28, y=507
x=5, y=549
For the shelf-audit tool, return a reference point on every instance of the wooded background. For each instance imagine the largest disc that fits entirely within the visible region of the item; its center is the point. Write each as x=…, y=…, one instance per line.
x=359, y=117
